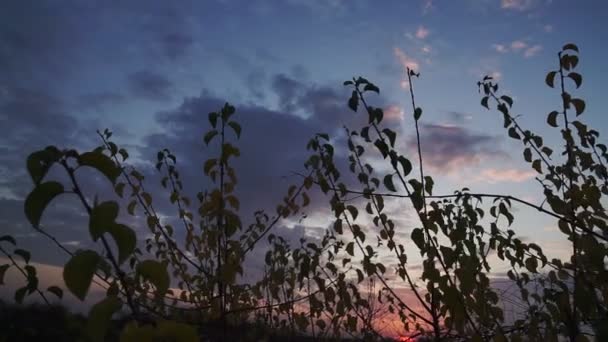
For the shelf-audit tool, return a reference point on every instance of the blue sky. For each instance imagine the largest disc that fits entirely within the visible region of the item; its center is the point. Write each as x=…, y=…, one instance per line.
x=151, y=71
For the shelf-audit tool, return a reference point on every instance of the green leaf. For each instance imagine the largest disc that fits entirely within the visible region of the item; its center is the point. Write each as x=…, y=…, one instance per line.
x=78, y=272
x=100, y=317
x=552, y=118
x=417, y=113
x=579, y=106
x=125, y=240
x=101, y=163
x=3, y=269
x=57, y=291
x=236, y=127
x=207, y=138
x=39, y=198
x=550, y=78
x=102, y=218
x=388, y=183
x=8, y=239
x=24, y=254
x=156, y=273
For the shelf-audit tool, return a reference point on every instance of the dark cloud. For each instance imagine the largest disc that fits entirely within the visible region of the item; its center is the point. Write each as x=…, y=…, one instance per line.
x=100, y=100
x=150, y=85
x=176, y=45
x=448, y=147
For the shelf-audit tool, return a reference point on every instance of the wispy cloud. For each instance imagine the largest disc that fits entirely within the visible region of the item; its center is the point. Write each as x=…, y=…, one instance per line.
x=406, y=62
x=548, y=28
x=517, y=45
x=533, y=51
x=500, y=48
x=394, y=112
x=493, y=175
x=519, y=5
x=422, y=32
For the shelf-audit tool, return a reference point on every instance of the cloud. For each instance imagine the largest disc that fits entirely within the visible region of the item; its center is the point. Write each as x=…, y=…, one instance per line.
x=422, y=32
x=517, y=45
x=533, y=51
x=406, y=62
x=427, y=6
x=500, y=48
x=458, y=117
x=176, y=45
x=448, y=148
x=394, y=113
x=150, y=85
x=519, y=5
x=99, y=100
x=548, y=28
x=492, y=175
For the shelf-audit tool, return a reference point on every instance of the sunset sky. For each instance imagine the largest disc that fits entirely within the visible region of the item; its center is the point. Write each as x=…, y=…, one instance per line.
x=150, y=71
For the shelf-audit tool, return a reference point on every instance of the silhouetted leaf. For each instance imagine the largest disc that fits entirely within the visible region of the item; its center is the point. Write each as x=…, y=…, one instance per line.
x=391, y=136
x=353, y=102
x=577, y=78
x=9, y=239
x=417, y=113
x=57, y=291
x=207, y=138
x=101, y=163
x=552, y=118
x=39, y=198
x=550, y=78
x=156, y=273
x=570, y=46
x=125, y=240
x=24, y=254
x=78, y=272
x=102, y=217
x=579, y=106
x=236, y=127
x=3, y=269
x=484, y=102
x=371, y=87
x=388, y=183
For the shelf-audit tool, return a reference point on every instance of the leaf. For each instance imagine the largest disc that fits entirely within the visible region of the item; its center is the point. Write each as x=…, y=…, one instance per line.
x=78, y=272
x=353, y=101
x=100, y=317
x=382, y=147
x=350, y=248
x=123, y=153
x=39, y=198
x=119, y=189
x=353, y=211
x=552, y=118
x=388, y=183
x=101, y=163
x=391, y=136
x=147, y=198
x=428, y=184
x=577, y=78
x=207, y=138
x=537, y=166
x=125, y=240
x=570, y=46
x=417, y=113
x=236, y=127
x=550, y=78
x=56, y=290
x=8, y=239
x=3, y=269
x=528, y=155
x=371, y=87
x=418, y=238
x=508, y=100
x=405, y=164
x=484, y=102
x=531, y=264
x=131, y=207
x=24, y=254
x=213, y=119
x=513, y=133
x=156, y=273
x=20, y=294
x=579, y=106
x=102, y=217
x=39, y=163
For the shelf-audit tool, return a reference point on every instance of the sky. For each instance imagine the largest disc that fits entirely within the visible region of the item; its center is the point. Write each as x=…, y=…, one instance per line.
x=150, y=71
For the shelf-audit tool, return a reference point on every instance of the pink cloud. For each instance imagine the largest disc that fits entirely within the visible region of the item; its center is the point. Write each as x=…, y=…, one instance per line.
x=426, y=49
x=394, y=113
x=405, y=60
x=492, y=175
x=518, y=45
x=532, y=51
x=422, y=32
